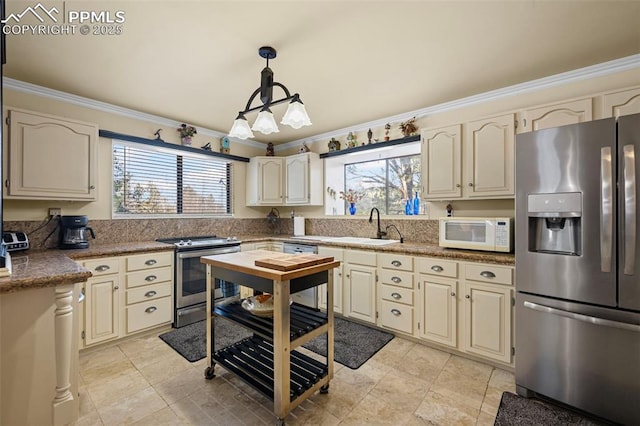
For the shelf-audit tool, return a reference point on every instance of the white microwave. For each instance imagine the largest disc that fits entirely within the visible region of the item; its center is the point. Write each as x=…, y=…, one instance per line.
x=477, y=233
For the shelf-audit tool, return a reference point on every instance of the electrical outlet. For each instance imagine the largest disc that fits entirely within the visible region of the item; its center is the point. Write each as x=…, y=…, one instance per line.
x=55, y=211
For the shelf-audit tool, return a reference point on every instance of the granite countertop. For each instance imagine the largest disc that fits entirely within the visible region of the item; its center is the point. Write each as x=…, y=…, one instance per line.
x=48, y=268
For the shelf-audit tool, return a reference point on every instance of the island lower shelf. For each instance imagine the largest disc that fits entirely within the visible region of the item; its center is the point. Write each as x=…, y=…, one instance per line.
x=252, y=360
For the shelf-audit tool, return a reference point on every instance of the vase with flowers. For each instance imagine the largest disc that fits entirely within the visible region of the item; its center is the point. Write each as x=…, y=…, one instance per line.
x=352, y=198
x=186, y=133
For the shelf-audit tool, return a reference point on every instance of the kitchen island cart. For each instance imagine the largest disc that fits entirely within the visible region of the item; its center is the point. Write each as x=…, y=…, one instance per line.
x=268, y=360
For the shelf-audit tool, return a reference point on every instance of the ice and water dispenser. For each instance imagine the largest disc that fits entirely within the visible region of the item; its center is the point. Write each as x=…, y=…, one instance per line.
x=554, y=223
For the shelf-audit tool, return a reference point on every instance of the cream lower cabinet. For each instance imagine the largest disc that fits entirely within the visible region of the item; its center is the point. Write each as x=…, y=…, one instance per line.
x=560, y=114
x=337, y=254
x=50, y=158
x=102, y=301
x=125, y=295
x=396, y=295
x=360, y=285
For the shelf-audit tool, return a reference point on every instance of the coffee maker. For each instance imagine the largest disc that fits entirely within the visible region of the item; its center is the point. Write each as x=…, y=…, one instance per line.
x=74, y=232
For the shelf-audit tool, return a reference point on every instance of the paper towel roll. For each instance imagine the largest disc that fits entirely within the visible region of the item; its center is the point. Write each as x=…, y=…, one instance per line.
x=298, y=226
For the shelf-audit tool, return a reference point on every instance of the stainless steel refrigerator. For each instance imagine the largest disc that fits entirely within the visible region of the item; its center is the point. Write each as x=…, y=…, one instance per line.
x=577, y=267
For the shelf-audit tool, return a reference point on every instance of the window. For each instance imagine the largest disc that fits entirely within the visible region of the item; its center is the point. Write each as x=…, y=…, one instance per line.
x=151, y=181
x=385, y=183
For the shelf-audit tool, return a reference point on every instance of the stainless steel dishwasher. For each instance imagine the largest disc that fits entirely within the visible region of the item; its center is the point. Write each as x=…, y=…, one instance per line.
x=308, y=297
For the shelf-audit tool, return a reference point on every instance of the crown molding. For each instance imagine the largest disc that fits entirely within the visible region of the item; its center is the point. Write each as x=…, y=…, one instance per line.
x=598, y=70
x=33, y=89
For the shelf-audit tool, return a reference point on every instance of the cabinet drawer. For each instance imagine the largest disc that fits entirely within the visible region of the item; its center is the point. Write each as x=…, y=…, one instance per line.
x=148, y=314
x=360, y=257
x=149, y=292
x=443, y=268
x=398, y=278
x=395, y=294
x=395, y=261
x=136, y=279
x=106, y=266
x=488, y=273
x=396, y=316
x=149, y=260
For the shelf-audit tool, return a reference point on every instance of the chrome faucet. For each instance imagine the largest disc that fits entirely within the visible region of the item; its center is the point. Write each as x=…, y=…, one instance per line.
x=380, y=233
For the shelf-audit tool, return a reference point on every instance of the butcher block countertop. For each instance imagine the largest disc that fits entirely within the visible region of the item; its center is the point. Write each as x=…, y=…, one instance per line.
x=246, y=262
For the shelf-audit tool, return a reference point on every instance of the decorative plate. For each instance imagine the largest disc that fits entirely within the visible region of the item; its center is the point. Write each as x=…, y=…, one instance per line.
x=261, y=305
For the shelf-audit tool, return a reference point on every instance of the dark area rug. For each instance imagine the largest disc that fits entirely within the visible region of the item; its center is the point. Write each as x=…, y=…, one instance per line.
x=191, y=341
x=516, y=410
x=354, y=343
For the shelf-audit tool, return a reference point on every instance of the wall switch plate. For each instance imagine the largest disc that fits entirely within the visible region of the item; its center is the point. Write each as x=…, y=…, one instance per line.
x=54, y=211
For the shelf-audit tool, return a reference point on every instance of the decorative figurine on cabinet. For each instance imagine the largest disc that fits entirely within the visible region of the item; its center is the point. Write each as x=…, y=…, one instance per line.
x=304, y=148
x=225, y=145
x=409, y=127
x=352, y=140
x=387, y=127
x=334, y=145
x=270, y=150
x=369, y=136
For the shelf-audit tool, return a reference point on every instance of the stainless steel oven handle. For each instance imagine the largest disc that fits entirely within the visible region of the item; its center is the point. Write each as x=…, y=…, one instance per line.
x=629, y=209
x=606, y=206
x=207, y=252
x=584, y=318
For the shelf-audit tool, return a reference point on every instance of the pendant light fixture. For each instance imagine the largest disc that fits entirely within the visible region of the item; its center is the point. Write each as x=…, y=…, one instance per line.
x=296, y=115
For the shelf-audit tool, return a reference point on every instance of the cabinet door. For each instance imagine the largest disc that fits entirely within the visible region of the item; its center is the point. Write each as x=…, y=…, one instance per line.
x=489, y=157
x=487, y=321
x=102, y=309
x=360, y=292
x=441, y=160
x=621, y=103
x=337, y=254
x=270, y=180
x=556, y=115
x=297, y=179
x=438, y=310
x=51, y=158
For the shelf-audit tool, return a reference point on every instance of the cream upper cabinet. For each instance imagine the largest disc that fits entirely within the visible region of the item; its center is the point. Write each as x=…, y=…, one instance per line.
x=264, y=181
x=555, y=115
x=303, y=179
x=624, y=102
x=489, y=158
x=50, y=158
x=441, y=162
x=337, y=254
x=360, y=285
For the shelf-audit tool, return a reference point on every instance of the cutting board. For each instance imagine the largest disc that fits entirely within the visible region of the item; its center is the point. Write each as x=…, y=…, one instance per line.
x=289, y=262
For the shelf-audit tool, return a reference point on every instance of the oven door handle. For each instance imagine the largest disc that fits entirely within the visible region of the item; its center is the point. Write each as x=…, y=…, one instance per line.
x=206, y=252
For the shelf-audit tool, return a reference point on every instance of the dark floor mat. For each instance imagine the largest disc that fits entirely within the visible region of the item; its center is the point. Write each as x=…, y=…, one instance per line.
x=515, y=410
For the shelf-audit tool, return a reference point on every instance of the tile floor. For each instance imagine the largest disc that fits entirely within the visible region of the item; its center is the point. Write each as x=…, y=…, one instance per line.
x=144, y=381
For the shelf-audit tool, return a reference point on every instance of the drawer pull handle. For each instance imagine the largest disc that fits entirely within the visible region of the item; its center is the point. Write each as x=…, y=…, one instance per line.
x=488, y=274
x=102, y=268
x=151, y=309
x=396, y=279
x=396, y=312
x=396, y=263
x=151, y=278
x=437, y=268
x=150, y=262
x=150, y=293
x=396, y=296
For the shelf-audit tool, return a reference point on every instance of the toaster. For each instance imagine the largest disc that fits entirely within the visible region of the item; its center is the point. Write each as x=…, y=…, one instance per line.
x=15, y=240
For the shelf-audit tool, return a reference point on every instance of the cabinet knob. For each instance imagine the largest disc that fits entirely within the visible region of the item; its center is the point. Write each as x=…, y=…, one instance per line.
x=396, y=296
x=458, y=185
x=396, y=279
x=151, y=309
x=470, y=184
x=467, y=297
x=116, y=287
x=92, y=187
x=150, y=262
x=396, y=312
x=347, y=275
x=151, y=278
x=102, y=268
x=437, y=268
x=150, y=293
x=396, y=263
x=488, y=274
x=453, y=294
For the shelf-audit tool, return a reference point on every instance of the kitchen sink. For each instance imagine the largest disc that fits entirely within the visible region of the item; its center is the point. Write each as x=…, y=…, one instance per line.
x=363, y=241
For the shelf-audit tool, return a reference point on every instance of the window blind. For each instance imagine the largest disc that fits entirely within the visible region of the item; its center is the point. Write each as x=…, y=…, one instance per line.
x=165, y=182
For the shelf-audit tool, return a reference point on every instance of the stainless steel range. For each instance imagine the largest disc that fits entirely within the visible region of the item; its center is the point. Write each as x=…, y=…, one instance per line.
x=190, y=276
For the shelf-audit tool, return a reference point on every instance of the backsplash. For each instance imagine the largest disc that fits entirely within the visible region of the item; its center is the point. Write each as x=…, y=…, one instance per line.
x=129, y=230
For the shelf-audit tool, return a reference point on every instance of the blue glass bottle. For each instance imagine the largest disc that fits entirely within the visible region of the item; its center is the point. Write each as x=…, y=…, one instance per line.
x=416, y=205
x=408, y=208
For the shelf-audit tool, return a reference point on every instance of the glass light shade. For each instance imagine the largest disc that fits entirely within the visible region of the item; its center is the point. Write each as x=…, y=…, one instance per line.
x=241, y=129
x=265, y=123
x=296, y=115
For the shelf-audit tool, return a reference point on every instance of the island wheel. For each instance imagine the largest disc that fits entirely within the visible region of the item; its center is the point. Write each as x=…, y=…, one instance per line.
x=325, y=389
x=209, y=372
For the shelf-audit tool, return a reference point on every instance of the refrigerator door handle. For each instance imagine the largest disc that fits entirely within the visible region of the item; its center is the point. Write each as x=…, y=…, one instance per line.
x=606, y=206
x=629, y=209
x=584, y=318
